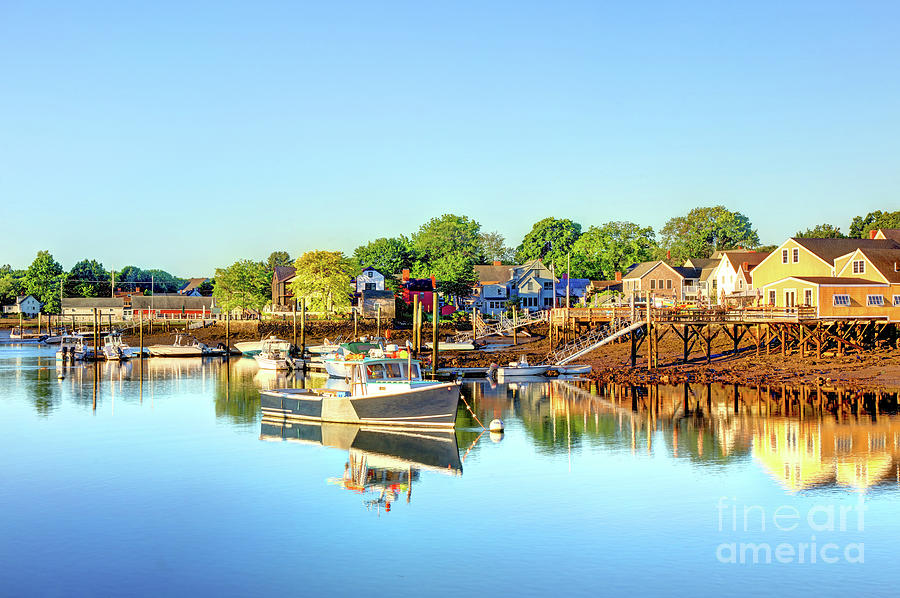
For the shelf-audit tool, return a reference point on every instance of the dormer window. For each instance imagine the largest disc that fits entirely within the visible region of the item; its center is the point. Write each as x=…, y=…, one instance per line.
x=859, y=266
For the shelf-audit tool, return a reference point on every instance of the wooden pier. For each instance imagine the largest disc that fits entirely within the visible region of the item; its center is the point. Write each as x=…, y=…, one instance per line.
x=760, y=329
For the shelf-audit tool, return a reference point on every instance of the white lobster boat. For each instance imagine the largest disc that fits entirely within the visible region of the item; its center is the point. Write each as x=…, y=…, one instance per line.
x=180, y=348
x=274, y=355
x=383, y=391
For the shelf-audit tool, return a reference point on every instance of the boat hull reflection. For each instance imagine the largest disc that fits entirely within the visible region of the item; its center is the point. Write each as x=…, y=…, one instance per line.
x=420, y=449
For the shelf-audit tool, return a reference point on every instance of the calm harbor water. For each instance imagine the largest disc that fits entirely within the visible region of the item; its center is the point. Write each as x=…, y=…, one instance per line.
x=161, y=477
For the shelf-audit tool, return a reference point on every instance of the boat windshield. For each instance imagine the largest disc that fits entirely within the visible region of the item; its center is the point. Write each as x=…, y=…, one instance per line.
x=391, y=370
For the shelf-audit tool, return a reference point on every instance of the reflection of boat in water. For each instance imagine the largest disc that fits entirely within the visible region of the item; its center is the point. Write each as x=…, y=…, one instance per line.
x=380, y=461
x=572, y=370
x=424, y=449
x=386, y=391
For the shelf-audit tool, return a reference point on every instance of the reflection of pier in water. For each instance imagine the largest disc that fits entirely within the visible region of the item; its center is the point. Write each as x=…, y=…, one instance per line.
x=382, y=462
x=800, y=445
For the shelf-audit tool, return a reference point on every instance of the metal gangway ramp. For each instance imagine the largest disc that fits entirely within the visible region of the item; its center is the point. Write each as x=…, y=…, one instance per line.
x=504, y=325
x=593, y=340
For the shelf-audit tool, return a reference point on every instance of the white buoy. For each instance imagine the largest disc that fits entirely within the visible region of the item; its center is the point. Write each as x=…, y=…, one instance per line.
x=496, y=425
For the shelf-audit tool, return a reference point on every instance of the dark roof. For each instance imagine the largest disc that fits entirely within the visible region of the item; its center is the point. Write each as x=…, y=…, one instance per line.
x=640, y=270
x=830, y=249
x=93, y=302
x=172, y=302
x=886, y=260
x=891, y=233
x=491, y=274
x=418, y=284
x=372, y=294
x=753, y=258
x=283, y=272
x=688, y=272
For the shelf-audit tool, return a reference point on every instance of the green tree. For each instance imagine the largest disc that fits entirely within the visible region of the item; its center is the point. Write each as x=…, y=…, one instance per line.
x=861, y=225
x=821, y=231
x=323, y=278
x=244, y=284
x=447, y=234
x=207, y=287
x=704, y=230
x=387, y=255
x=43, y=279
x=88, y=278
x=455, y=274
x=550, y=240
x=278, y=258
x=447, y=248
x=609, y=248
x=493, y=248
x=163, y=282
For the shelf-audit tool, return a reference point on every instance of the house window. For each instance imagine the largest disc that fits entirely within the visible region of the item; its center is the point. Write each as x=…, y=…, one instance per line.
x=669, y=283
x=859, y=267
x=784, y=256
x=652, y=284
x=875, y=300
x=896, y=300
x=807, y=297
x=841, y=300
x=796, y=255
x=548, y=302
x=369, y=274
x=370, y=286
x=772, y=297
x=548, y=286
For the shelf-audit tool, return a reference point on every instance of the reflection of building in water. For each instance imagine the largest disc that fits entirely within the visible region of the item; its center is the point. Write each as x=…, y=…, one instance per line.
x=383, y=462
x=805, y=454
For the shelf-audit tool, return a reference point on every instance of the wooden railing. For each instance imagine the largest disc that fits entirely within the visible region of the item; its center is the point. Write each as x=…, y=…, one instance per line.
x=685, y=315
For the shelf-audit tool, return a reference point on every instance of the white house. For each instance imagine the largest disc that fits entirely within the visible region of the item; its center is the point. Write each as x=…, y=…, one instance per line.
x=369, y=279
x=732, y=274
x=26, y=305
x=532, y=284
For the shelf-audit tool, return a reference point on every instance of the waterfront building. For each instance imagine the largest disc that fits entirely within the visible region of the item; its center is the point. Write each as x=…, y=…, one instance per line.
x=26, y=305
x=173, y=307
x=677, y=283
x=532, y=284
x=192, y=287
x=423, y=288
x=82, y=309
x=282, y=296
x=731, y=275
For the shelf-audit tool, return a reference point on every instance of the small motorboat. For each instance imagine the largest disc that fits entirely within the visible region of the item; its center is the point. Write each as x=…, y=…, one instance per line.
x=383, y=391
x=274, y=355
x=451, y=346
x=115, y=348
x=521, y=368
x=71, y=348
x=180, y=348
x=572, y=370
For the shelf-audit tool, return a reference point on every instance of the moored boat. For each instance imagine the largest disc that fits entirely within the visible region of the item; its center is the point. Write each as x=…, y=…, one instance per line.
x=71, y=347
x=115, y=348
x=180, y=348
x=337, y=363
x=383, y=391
x=274, y=354
x=521, y=368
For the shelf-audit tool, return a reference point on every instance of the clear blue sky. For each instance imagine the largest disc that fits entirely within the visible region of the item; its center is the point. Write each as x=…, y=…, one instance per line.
x=231, y=129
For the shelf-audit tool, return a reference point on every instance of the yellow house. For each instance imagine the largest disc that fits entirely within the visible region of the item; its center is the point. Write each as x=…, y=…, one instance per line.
x=807, y=258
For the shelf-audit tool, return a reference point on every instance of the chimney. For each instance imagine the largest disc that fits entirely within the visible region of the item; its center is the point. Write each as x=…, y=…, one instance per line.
x=872, y=234
x=669, y=254
x=433, y=282
x=405, y=275
x=618, y=277
x=497, y=263
x=745, y=266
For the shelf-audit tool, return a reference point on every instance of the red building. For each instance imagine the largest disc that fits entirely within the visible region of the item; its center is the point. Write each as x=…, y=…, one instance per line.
x=423, y=288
